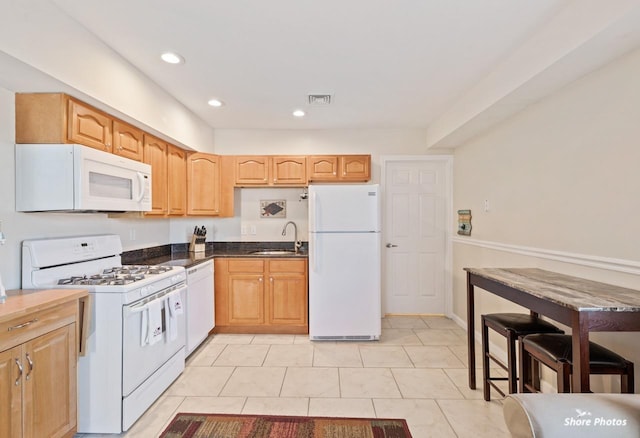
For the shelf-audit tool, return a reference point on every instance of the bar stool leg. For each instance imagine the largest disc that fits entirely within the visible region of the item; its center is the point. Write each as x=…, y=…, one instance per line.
x=485, y=361
x=511, y=360
x=524, y=368
x=627, y=384
x=564, y=377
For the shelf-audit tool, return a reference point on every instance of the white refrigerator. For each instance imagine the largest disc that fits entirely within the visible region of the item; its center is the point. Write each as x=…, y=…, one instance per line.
x=344, y=262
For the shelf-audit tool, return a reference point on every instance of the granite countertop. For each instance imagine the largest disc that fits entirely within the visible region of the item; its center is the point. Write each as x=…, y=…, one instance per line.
x=179, y=255
x=573, y=292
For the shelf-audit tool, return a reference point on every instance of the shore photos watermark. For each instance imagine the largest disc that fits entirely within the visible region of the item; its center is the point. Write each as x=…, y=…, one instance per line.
x=586, y=419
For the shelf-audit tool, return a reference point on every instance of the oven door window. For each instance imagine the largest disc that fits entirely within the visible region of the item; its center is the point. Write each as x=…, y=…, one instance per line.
x=138, y=361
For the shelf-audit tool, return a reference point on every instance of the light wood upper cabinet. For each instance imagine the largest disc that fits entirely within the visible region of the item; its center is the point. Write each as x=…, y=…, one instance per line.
x=203, y=184
x=289, y=170
x=177, y=181
x=155, y=154
x=261, y=295
x=252, y=170
x=89, y=127
x=355, y=167
x=128, y=141
x=256, y=170
x=339, y=168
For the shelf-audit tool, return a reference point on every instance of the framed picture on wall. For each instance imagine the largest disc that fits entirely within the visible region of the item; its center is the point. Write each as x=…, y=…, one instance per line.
x=273, y=209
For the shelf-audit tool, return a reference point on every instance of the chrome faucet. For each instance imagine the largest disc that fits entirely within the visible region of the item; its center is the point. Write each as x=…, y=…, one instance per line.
x=296, y=243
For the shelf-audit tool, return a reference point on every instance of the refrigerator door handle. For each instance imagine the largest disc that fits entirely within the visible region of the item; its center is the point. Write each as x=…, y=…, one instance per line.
x=312, y=210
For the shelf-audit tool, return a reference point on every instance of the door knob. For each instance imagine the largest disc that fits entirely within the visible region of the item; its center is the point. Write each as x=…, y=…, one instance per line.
x=391, y=245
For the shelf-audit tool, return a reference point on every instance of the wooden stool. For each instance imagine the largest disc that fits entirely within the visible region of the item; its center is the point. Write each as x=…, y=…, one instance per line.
x=511, y=326
x=555, y=351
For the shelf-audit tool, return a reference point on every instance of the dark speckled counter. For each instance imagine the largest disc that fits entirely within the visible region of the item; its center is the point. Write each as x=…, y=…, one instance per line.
x=584, y=305
x=179, y=255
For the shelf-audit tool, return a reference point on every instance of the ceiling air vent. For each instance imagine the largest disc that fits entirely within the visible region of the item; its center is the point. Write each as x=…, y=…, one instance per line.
x=319, y=99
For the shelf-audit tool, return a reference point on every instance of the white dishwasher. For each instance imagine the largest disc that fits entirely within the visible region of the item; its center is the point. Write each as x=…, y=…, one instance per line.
x=200, y=312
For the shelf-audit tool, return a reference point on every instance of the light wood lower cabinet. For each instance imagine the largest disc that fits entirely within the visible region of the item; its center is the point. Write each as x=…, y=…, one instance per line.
x=38, y=382
x=261, y=295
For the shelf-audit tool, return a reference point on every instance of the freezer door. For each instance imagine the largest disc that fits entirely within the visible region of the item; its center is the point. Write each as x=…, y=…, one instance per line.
x=344, y=286
x=344, y=208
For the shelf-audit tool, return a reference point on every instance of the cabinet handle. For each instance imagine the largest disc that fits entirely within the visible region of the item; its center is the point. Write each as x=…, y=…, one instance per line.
x=260, y=279
x=24, y=324
x=30, y=366
x=20, y=369
x=271, y=279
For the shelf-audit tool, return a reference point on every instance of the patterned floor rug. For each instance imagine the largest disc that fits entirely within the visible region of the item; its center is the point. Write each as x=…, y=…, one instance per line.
x=266, y=426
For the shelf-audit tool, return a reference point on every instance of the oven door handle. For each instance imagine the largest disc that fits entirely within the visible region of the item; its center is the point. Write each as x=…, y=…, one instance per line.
x=160, y=296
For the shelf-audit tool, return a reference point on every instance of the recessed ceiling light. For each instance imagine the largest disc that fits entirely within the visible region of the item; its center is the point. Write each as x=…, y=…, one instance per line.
x=216, y=103
x=298, y=113
x=172, y=58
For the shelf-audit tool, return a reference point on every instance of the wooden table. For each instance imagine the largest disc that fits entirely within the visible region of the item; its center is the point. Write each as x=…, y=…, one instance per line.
x=581, y=304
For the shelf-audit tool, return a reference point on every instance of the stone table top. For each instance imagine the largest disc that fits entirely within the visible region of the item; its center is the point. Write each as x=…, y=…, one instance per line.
x=572, y=292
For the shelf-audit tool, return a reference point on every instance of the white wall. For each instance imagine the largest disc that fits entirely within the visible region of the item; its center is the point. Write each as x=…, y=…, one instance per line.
x=560, y=177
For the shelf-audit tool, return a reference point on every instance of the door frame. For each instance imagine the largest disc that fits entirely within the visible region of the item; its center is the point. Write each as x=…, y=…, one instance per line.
x=448, y=263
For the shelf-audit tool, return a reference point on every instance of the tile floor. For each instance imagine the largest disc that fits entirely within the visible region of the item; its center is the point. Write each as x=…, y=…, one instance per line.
x=417, y=371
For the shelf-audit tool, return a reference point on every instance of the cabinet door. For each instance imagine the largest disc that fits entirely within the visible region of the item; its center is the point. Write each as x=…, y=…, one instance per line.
x=289, y=170
x=252, y=170
x=288, y=298
x=246, y=299
x=322, y=168
x=177, y=181
x=355, y=167
x=127, y=141
x=10, y=393
x=155, y=154
x=50, y=384
x=89, y=127
x=203, y=184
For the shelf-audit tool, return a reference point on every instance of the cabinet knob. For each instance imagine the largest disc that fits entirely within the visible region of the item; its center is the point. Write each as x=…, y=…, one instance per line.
x=260, y=279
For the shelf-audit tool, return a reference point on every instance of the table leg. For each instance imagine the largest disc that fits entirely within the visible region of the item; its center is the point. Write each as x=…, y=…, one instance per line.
x=471, y=333
x=580, y=347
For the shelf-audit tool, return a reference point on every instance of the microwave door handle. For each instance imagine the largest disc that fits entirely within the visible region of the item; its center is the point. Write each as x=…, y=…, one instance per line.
x=141, y=186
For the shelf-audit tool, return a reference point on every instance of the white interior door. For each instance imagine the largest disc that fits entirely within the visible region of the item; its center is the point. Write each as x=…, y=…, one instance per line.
x=417, y=212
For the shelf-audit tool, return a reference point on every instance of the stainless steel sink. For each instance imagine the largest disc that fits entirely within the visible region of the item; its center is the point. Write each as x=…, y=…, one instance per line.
x=273, y=252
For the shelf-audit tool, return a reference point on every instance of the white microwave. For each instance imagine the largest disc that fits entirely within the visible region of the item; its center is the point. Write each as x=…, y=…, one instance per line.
x=71, y=177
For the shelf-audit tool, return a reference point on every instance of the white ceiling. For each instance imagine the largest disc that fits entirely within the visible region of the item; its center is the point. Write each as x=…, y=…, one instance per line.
x=387, y=63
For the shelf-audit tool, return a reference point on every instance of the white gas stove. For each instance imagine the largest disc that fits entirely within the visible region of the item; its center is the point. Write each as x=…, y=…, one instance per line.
x=136, y=342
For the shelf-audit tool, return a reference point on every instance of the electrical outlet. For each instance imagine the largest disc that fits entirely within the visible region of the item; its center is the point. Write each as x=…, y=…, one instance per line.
x=253, y=230
x=132, y=234
x=486, y=205
x=243, y=230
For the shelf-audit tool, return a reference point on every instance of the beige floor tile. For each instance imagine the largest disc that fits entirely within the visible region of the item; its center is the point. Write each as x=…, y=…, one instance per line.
x=440, y=322
x=242, y=356
x=302, y=339
x=311, y=382
x=434, y=356
x=424, y=417
x=254, y=382
x=460, y=378
x=395, y=336
x=277, y=406
x=231, y=339
x=385, y=323
x=425, y=383
x=444, y=337
x=342, y=407
x=475, y=418
x=273, y=339
x=336, y=355
x=460, y=350
x=212, y=405
x=384, y=356
x=201, y=381
x=155, y=420
x=289, y=356
x=368, y=383
x=407, y=322
x=205, y=355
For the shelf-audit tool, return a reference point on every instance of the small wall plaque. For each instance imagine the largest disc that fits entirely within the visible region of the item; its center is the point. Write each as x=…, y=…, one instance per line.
x=273, y=209
x=464, y=222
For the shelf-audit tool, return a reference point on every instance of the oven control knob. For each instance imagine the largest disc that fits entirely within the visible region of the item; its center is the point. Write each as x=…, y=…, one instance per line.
x=144, y=291
x=175, y=279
